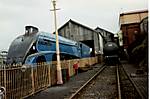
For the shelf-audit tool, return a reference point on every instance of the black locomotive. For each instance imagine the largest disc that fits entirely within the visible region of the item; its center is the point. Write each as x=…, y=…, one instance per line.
x=111, y=53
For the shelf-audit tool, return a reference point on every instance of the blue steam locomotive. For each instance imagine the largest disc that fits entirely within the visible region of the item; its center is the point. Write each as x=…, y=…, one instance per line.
x=41, y=46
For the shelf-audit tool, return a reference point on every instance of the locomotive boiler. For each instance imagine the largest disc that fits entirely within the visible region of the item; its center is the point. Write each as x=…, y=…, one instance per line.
x=111, y=51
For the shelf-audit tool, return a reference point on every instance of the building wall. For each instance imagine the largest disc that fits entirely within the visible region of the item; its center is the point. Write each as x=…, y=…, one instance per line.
x=79, y=33
x=97, y=43
x=129, y=32
x=101, y=44
x=120, y=37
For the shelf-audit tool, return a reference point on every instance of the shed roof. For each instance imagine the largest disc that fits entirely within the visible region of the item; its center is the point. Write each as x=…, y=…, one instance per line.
x=77, y=23
x=103, y=30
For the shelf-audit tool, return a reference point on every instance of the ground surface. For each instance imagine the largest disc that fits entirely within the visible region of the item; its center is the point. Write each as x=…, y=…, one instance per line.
x=65, y=90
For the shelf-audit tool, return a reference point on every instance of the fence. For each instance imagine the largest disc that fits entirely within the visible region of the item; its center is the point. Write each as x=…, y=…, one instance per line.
x=22, y=81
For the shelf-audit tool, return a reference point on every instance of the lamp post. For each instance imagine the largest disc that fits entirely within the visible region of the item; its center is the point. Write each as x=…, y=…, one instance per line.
x=59, y=73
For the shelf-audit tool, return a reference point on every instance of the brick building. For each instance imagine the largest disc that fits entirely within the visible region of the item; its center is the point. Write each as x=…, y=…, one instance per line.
x=130, y=25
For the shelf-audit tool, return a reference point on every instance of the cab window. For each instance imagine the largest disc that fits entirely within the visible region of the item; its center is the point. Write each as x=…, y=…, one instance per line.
x=40, y=59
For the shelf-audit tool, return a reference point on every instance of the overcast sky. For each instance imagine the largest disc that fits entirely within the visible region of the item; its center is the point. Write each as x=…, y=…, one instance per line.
x=16, y=14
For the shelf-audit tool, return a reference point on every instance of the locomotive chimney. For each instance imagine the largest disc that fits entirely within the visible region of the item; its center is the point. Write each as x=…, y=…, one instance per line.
x=30, y=30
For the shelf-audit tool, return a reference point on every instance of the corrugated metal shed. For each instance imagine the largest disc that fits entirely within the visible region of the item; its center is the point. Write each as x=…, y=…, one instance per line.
x=78, y=32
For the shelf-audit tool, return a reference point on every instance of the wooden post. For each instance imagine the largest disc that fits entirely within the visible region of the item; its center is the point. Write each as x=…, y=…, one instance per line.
x=49, y=74
x=5, y=80
x=32, y=76
x=69, y=67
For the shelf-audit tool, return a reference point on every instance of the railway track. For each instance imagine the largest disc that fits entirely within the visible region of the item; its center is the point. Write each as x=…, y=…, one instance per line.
x=110, y=82
x=129, y=88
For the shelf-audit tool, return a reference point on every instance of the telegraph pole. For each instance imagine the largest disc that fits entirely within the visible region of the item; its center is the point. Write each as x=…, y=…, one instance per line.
x=59, y=73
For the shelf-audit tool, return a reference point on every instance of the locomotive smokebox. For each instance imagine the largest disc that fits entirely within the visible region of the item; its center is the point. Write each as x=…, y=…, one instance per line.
x=30, y=30
x=110, y=48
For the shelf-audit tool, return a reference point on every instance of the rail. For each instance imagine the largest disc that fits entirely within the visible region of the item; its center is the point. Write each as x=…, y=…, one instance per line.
x=83, y=86
x=126, y=88
x=118, y=84
x=135, y=87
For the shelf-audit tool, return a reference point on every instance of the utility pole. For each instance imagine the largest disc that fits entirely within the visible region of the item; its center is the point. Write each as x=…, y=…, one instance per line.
x=59, y=73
